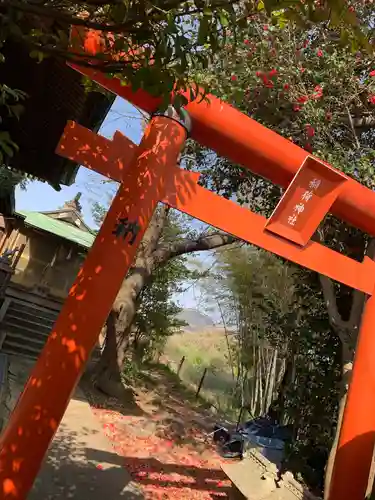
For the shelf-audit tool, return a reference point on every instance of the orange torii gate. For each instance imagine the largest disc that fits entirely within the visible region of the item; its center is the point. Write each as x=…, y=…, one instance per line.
x=148, y=174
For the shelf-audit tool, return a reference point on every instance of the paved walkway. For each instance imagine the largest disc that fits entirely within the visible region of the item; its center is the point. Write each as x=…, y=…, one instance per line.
x=81, y=463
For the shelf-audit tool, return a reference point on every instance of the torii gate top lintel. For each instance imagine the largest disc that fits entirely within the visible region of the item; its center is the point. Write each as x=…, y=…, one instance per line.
x=219, y=126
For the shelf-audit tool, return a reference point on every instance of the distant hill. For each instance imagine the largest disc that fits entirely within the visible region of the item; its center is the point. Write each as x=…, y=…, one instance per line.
x=196, y=320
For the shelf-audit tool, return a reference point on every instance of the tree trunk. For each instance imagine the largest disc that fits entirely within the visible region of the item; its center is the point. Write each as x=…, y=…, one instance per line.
x=277, y=407
x=271, y=381
x=151, y=254
x=107, y=370
x=111, y=363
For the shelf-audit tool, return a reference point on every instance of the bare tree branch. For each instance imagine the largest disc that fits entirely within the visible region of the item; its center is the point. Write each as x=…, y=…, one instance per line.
x=367, y=120
x=330, y=297
x=207, y=242
x=353, y=129
x=154, y=231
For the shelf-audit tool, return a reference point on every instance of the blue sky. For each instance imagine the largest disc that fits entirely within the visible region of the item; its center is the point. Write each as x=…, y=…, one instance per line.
x=41, y=196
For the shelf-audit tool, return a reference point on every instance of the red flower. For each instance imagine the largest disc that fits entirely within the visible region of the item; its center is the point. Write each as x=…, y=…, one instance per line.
x=310, y=131
x=99, y=466
x=286, y=86
x=267, y=83
x=319, y=53
x=302, y=70
x=246, y=42
x=372, y=73
x=351, y=8
x=265, y=27
x=233, y=78
x=302, y=99
x=296, y=108
x=259, y=73
x=272, y=73
x=371, y=99
x=318, y=92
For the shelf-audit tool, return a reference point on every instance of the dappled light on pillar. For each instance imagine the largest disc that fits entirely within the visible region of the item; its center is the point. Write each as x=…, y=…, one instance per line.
x=47, y=393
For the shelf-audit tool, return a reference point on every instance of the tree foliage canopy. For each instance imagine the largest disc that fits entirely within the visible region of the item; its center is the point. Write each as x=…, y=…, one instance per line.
x=160, y=43
x=302, y=86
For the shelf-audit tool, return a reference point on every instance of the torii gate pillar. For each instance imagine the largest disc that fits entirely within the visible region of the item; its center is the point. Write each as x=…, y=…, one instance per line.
x=42, y=405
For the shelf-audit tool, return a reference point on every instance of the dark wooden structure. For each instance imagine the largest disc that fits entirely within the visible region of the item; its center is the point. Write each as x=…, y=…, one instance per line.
x=55, y=95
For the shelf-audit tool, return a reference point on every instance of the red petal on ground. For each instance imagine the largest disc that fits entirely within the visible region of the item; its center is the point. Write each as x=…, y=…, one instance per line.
x=164, y=449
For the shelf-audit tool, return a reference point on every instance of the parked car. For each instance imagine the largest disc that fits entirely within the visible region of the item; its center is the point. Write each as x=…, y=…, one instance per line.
x=262, y=433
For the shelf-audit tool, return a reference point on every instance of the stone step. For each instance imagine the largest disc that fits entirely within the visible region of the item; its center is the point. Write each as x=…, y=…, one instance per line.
x=33, y=310
x=9, y=327
x=17, y=348
x=33, y=341
x=30, y=324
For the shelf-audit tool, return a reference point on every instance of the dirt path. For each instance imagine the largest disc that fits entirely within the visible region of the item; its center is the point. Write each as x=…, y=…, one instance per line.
x=160, y=433
x=80, y=462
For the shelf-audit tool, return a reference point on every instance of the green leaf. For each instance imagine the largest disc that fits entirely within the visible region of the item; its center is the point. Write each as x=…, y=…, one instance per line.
x=63, y=37
x=224, y=20
x=118, y=12
x=7, y=150
x=204, y=27
x=37, y=54
x=172, y=26
x=179, y=101
x=16, y=110
x=15, y=30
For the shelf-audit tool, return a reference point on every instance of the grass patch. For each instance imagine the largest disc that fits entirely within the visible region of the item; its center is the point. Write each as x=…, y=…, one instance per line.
x=203, y=350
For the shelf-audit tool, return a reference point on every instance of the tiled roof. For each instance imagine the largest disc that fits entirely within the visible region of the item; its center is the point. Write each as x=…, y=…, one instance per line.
x=57, y=227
